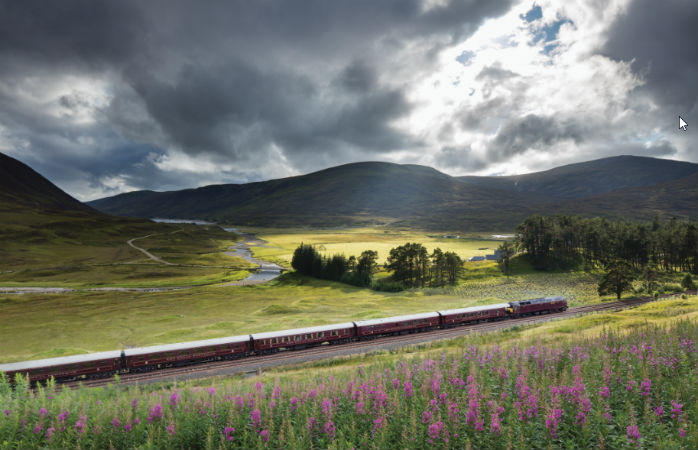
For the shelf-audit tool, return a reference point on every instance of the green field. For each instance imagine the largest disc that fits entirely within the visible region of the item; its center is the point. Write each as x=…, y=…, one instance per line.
x=353, y=241
x=45, y=325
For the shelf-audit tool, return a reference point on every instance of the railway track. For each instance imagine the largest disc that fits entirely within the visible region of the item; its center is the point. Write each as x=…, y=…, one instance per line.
x=257, y=364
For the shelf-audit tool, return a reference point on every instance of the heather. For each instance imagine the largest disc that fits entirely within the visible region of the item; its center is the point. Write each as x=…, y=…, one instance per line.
x=628, y=389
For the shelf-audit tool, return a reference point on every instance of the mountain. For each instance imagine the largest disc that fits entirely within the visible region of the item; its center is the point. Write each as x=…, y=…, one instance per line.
x=351, y=194
x=411, y=195
x=21, y=187
x=676, y=198
x=590, y=178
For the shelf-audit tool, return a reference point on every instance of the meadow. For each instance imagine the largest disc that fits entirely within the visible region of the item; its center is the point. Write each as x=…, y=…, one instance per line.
x=618, y=387
x=352, y=241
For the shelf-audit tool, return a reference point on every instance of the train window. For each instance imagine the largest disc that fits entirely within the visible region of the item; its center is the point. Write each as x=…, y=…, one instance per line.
x=308, y=336
x=275, y=341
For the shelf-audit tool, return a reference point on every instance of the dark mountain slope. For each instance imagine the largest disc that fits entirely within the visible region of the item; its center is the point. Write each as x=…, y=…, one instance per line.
x=21, y=187
x=590, y=178
x=411, y=195
x=350, y=194
x=678, y=198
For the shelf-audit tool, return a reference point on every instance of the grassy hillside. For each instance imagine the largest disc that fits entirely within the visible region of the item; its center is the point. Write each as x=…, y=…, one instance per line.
x=590, y=178
x=372, y=193
x=48, y=238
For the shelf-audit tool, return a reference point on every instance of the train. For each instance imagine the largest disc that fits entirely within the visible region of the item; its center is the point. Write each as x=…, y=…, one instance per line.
x=132, y=360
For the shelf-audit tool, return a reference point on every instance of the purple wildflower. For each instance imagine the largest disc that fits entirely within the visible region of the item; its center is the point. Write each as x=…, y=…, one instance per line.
x=174, y=399
x=127, y=427
x=256, y=418
x=293, y=403
x=38, y=428
x=171, y=429
x=676, y=410
x=43, y=412
x=49, y=433
x=645, y=387
x=7, y=412
x=155, y=413
x=633, y=434
x=326, y=407
x=329, y=429
x=116, y=423
x=682, y=433
x=80, y=424
x=134, y=403
x=264, y=435
x=408, y=388
x=211, y=390
x=604, y=392
x=229, y=433
x=658, y=411
x=426, y=417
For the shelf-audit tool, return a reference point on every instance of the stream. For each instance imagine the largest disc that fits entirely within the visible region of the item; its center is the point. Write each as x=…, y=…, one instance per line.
x=267, y=270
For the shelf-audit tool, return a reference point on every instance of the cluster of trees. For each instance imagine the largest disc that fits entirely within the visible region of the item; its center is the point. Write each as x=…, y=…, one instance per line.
x=359, y=272
x=414, y=267
x=411, y=264
x=619, y=277
x=567, y=241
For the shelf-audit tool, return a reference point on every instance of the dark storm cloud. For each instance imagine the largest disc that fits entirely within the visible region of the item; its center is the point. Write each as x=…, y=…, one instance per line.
x=532, y=132
x=661, y=40
x=321, y=82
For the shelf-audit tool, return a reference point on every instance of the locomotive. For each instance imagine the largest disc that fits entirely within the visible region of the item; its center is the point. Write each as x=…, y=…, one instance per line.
x=103, y=364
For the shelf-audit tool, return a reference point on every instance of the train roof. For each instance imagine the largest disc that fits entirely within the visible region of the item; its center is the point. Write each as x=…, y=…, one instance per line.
x=60, y=361
x=364, y=323
x=186, y=345
x=534, y=301
x=294, y=331
x=474, y=309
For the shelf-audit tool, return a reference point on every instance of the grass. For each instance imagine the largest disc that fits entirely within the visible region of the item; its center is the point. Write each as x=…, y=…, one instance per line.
x=67, y=251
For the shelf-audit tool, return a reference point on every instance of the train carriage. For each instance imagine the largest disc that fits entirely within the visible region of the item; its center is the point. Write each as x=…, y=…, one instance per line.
x=66, y=368
x=537, y=306
x=369, y=329
x=455, y=317
x=302, y=337
x=184, y=353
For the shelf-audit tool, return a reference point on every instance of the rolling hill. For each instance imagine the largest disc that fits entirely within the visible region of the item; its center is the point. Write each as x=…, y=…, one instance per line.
x=590, y=178
x=377, y=192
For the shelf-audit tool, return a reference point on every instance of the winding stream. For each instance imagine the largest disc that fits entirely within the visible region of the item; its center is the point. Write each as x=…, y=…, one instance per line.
x=267, y=270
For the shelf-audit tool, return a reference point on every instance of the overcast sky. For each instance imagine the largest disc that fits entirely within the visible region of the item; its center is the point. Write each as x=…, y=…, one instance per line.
x=107, y=97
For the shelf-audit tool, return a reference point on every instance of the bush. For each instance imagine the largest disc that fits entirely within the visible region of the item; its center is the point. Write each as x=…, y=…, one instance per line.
x=687, y=282
x=388, y=286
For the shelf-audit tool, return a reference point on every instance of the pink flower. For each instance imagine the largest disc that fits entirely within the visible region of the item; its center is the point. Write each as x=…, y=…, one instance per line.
x=171, y=429
x=43, y=412
x=645, y=387
x=256, y=417
x=211, y=390
x=329, y=429
x=682, y=433
x=116, y=423
x=676, y=410
x=134, y=403
x=127, y=427
x=174, y=399
x=604, y=392
x=7, y=412
x=155, y=413
x=49, y=433
x=264, y=435
x=426, y=417
x=38, y=428
x=633, y=434
x=658, y=411
x=229, y=433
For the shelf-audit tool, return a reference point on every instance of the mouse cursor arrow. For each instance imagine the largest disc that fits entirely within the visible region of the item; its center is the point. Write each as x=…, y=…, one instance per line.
x=682, y=124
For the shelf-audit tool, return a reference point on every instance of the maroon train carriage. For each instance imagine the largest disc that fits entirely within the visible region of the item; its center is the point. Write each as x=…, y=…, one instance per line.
x=274, y=341
x=537, y=306
x=369, y=329
x=184, y=353
x=455, y=317
x=66, y=367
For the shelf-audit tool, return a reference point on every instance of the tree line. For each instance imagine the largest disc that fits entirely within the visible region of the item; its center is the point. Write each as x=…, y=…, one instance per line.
x=564, y=242
x=411, y=264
